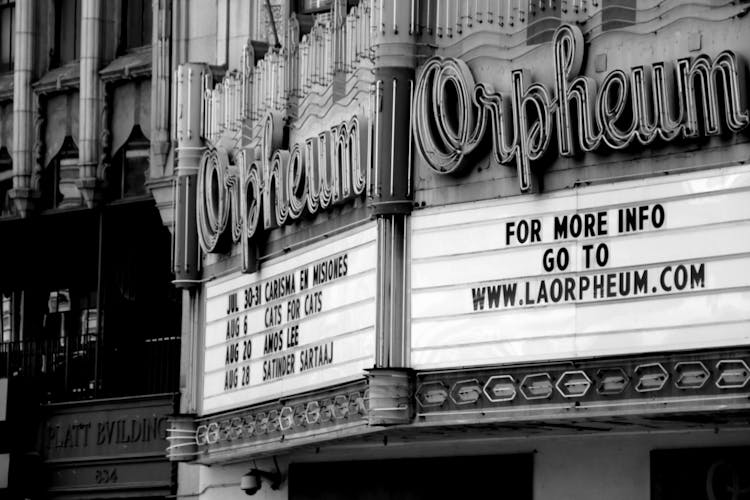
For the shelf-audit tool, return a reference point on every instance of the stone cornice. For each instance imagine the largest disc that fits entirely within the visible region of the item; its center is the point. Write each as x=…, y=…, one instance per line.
x=135, y=64
x=63, y=79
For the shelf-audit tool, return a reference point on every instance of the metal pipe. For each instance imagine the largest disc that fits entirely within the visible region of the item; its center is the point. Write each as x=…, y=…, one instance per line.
x=273, y=24
x=99, y=298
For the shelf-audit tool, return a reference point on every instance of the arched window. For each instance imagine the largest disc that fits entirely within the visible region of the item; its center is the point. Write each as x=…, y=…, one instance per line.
x=128, y=174
x=6, y=182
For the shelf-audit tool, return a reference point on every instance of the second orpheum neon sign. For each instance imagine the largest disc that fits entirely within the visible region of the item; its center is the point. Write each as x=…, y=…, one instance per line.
x=278, y=185
x=452, y=113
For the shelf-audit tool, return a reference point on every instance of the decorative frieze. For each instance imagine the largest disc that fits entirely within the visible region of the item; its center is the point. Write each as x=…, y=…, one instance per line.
x=277, y=422
x=583, y=387
x=649, y=386
x=446, y=20
x=274, y=421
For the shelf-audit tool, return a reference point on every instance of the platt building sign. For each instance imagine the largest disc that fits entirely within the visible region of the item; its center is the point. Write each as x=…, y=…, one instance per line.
x=108, y=447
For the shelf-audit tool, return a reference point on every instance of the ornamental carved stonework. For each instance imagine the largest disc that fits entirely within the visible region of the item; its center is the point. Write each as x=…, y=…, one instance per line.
x=40, y=123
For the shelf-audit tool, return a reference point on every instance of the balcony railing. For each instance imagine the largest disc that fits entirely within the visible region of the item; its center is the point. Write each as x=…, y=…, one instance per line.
x=84, y=367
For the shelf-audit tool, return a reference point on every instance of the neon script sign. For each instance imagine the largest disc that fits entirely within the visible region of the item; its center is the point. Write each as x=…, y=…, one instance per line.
x=278, y=185
x=452, y=113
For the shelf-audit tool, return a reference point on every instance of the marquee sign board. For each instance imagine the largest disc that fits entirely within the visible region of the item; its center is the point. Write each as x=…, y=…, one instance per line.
x=305, y=321
x=641, y=266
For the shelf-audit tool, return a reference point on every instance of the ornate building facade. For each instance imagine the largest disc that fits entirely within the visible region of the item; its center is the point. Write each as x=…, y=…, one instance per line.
x=438, y=249
x=90, y=319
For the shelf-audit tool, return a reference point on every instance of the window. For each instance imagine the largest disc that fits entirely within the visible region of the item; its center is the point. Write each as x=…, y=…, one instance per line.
x=311, y=6
x=71, y=314
x=308, y=10
x=56, y=321
x=88, y=324
x=10, y=315
x=6, y=317
x=128, y=174
x=58, y=179
x=135, y=28
x=7, y=9
x=67, y=31
x=6, y=182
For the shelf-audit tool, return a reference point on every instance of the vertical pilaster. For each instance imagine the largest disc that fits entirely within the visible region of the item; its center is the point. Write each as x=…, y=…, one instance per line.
x=189, y=81
x=180, y=23
x=391, y=400
x=392, y=197
x=161, y=181
x=191, y=325
x=23, y=108
x=390, y=382
x=160, y=99
x=90, y=100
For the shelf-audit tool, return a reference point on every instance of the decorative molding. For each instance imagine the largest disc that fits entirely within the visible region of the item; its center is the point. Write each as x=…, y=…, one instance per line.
x=105, y=136
x=390, y=401
x=278, y=420
x=518, y=25
x=133, y=65
x=684, y=387
x=183, y=445
x=59, y=80
x=313, y=416
x=40, y=146
x=575, y=389
x=286, y=81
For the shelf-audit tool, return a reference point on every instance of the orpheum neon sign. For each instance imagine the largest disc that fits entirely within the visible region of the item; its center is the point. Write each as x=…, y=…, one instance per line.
x=278, y=185
x=452, y=113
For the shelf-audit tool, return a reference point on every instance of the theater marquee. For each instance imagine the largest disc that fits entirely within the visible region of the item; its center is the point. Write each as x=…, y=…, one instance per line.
x=634, y=267
x=303, y=322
